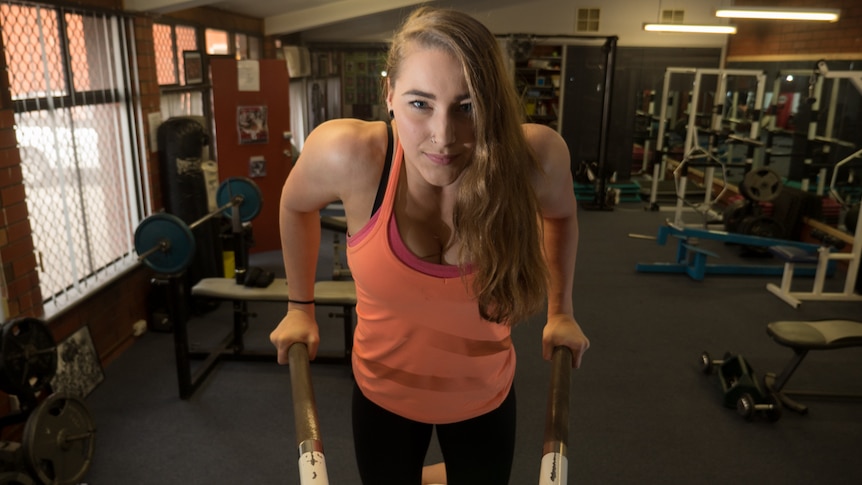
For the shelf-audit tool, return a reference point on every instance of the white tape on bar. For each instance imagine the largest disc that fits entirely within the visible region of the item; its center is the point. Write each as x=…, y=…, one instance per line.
x=555, y=469
x=312, y=469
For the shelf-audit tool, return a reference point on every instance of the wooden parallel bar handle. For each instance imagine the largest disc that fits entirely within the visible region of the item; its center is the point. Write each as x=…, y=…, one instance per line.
x=557, y=413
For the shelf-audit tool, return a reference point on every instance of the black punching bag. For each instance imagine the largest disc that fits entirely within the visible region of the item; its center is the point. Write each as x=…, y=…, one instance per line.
x=181, y=143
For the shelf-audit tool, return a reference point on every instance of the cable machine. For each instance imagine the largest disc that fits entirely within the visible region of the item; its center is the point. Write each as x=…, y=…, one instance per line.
x=609, y=50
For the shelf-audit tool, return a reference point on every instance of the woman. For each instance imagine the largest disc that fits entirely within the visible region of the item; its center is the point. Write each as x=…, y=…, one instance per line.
x=462, y=222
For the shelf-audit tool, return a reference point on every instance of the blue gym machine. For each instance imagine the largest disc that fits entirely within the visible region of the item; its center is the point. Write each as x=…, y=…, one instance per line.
x=691, y=259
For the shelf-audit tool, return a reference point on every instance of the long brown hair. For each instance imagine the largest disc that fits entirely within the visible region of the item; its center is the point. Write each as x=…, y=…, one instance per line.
x=496, y=216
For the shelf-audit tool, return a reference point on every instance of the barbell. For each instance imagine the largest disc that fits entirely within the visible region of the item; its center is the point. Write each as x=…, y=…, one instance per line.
x=166, y=244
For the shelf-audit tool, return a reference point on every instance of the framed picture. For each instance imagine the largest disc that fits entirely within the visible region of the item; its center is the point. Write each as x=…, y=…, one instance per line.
x=79, y=370
x=252, y=124
x=193, y=67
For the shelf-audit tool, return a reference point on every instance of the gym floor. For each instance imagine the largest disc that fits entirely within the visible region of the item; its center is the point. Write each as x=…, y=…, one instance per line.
x=641, y=409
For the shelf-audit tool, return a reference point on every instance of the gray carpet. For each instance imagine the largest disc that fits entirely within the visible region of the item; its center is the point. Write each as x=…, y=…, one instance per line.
x=641, y=410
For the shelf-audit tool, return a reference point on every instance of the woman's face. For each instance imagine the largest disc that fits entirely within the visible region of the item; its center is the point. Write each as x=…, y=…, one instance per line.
x=433, y=113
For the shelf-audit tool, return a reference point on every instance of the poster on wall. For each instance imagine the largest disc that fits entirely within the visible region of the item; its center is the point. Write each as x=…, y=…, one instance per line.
x=252, y=125
x=316, y=103
x=78, y=368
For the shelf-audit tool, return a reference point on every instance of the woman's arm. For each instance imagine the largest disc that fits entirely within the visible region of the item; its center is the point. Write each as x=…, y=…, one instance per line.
x=555, y=191
x=337, y=163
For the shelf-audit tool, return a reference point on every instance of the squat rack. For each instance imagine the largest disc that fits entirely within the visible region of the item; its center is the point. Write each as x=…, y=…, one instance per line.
x=824, y=257
x=691, y=147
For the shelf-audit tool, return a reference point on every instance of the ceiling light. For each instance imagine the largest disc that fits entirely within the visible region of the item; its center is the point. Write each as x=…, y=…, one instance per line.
x=827, y=15
x=688, y=28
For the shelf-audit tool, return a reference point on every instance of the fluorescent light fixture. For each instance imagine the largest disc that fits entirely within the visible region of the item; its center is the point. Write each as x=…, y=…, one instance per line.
x=692, y=29
x=821, y=14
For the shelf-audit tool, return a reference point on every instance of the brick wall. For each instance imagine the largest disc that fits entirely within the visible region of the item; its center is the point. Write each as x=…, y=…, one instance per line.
x=789, y=40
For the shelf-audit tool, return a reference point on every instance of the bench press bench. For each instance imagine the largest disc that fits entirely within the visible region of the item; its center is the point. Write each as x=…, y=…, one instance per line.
x=802, y=337
x=232, y=347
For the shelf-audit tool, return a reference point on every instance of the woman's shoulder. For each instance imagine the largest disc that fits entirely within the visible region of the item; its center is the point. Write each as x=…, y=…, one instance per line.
x=538, y=135
x=347, y=156
x=348, y=136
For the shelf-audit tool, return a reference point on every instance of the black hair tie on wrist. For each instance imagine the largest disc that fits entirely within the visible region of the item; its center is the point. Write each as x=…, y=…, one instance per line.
x=301, y=302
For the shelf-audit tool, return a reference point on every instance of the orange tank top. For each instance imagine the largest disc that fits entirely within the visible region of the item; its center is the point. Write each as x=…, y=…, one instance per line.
x=421, y=350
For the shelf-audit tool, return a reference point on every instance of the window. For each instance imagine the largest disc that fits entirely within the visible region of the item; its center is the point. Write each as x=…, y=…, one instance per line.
x=247, y=46
x=672, y=16
x=217, y=42
x=588, y=20
x=74, y=120
x=169, y=43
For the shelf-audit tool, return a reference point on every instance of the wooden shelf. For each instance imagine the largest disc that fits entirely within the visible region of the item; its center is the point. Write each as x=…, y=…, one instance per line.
x=537, y=79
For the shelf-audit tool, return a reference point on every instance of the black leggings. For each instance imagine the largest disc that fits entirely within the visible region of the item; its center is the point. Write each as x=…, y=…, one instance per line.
x=391, y=449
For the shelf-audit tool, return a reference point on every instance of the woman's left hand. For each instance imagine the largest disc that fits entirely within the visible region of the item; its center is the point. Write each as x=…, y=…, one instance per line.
x=563, y=330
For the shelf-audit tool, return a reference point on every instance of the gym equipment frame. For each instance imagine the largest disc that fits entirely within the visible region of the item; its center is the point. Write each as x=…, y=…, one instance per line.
x=691, y=148
x=803, y=337
x=609, y=49
x=825, y=258
x=166, y=244
x=309, y=441
x=692, y=260
x=555, y=462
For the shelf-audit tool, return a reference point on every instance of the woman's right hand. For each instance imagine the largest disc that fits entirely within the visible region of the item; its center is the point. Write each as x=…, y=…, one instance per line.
x=298, y=326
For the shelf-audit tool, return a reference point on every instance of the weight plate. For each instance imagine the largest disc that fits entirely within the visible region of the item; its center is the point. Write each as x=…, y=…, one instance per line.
x=165, y=228
x=851, y=219
x=252, y=198
x=761, y=184
x=15, y=478
x=29, y=356
x=59, y=440
x=734, y=213
x=763, y=226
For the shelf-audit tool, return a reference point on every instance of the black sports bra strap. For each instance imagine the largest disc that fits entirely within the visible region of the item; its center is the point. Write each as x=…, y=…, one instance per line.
x=387, y=165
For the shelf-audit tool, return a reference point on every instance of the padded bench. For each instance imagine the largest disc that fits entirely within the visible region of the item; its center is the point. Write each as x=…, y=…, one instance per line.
x=326, y=293
x=802, y=337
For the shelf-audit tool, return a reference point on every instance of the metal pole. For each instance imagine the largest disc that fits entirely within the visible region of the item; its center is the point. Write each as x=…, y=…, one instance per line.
x=236, y=201
x=600, y=198
x=555, y=464
x=312, y=465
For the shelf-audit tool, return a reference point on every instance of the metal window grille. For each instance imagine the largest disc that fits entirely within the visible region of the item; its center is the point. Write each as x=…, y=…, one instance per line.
x=169, y=43
x=588, y=20
x=70, y=75
x=672, y=16
x=217, y=41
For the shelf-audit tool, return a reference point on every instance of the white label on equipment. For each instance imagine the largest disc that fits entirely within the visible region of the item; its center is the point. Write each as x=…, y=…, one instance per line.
x=555, y=469
x=312, y=469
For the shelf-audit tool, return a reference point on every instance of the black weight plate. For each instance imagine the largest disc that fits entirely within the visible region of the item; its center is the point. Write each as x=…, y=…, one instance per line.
x=734, y=213
x=59, y=440
x=252, y=198
x=851, y=219
x=29, y=356
x=162, y=227
x=16, y=478
x=761, y=184
x=762, y=226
